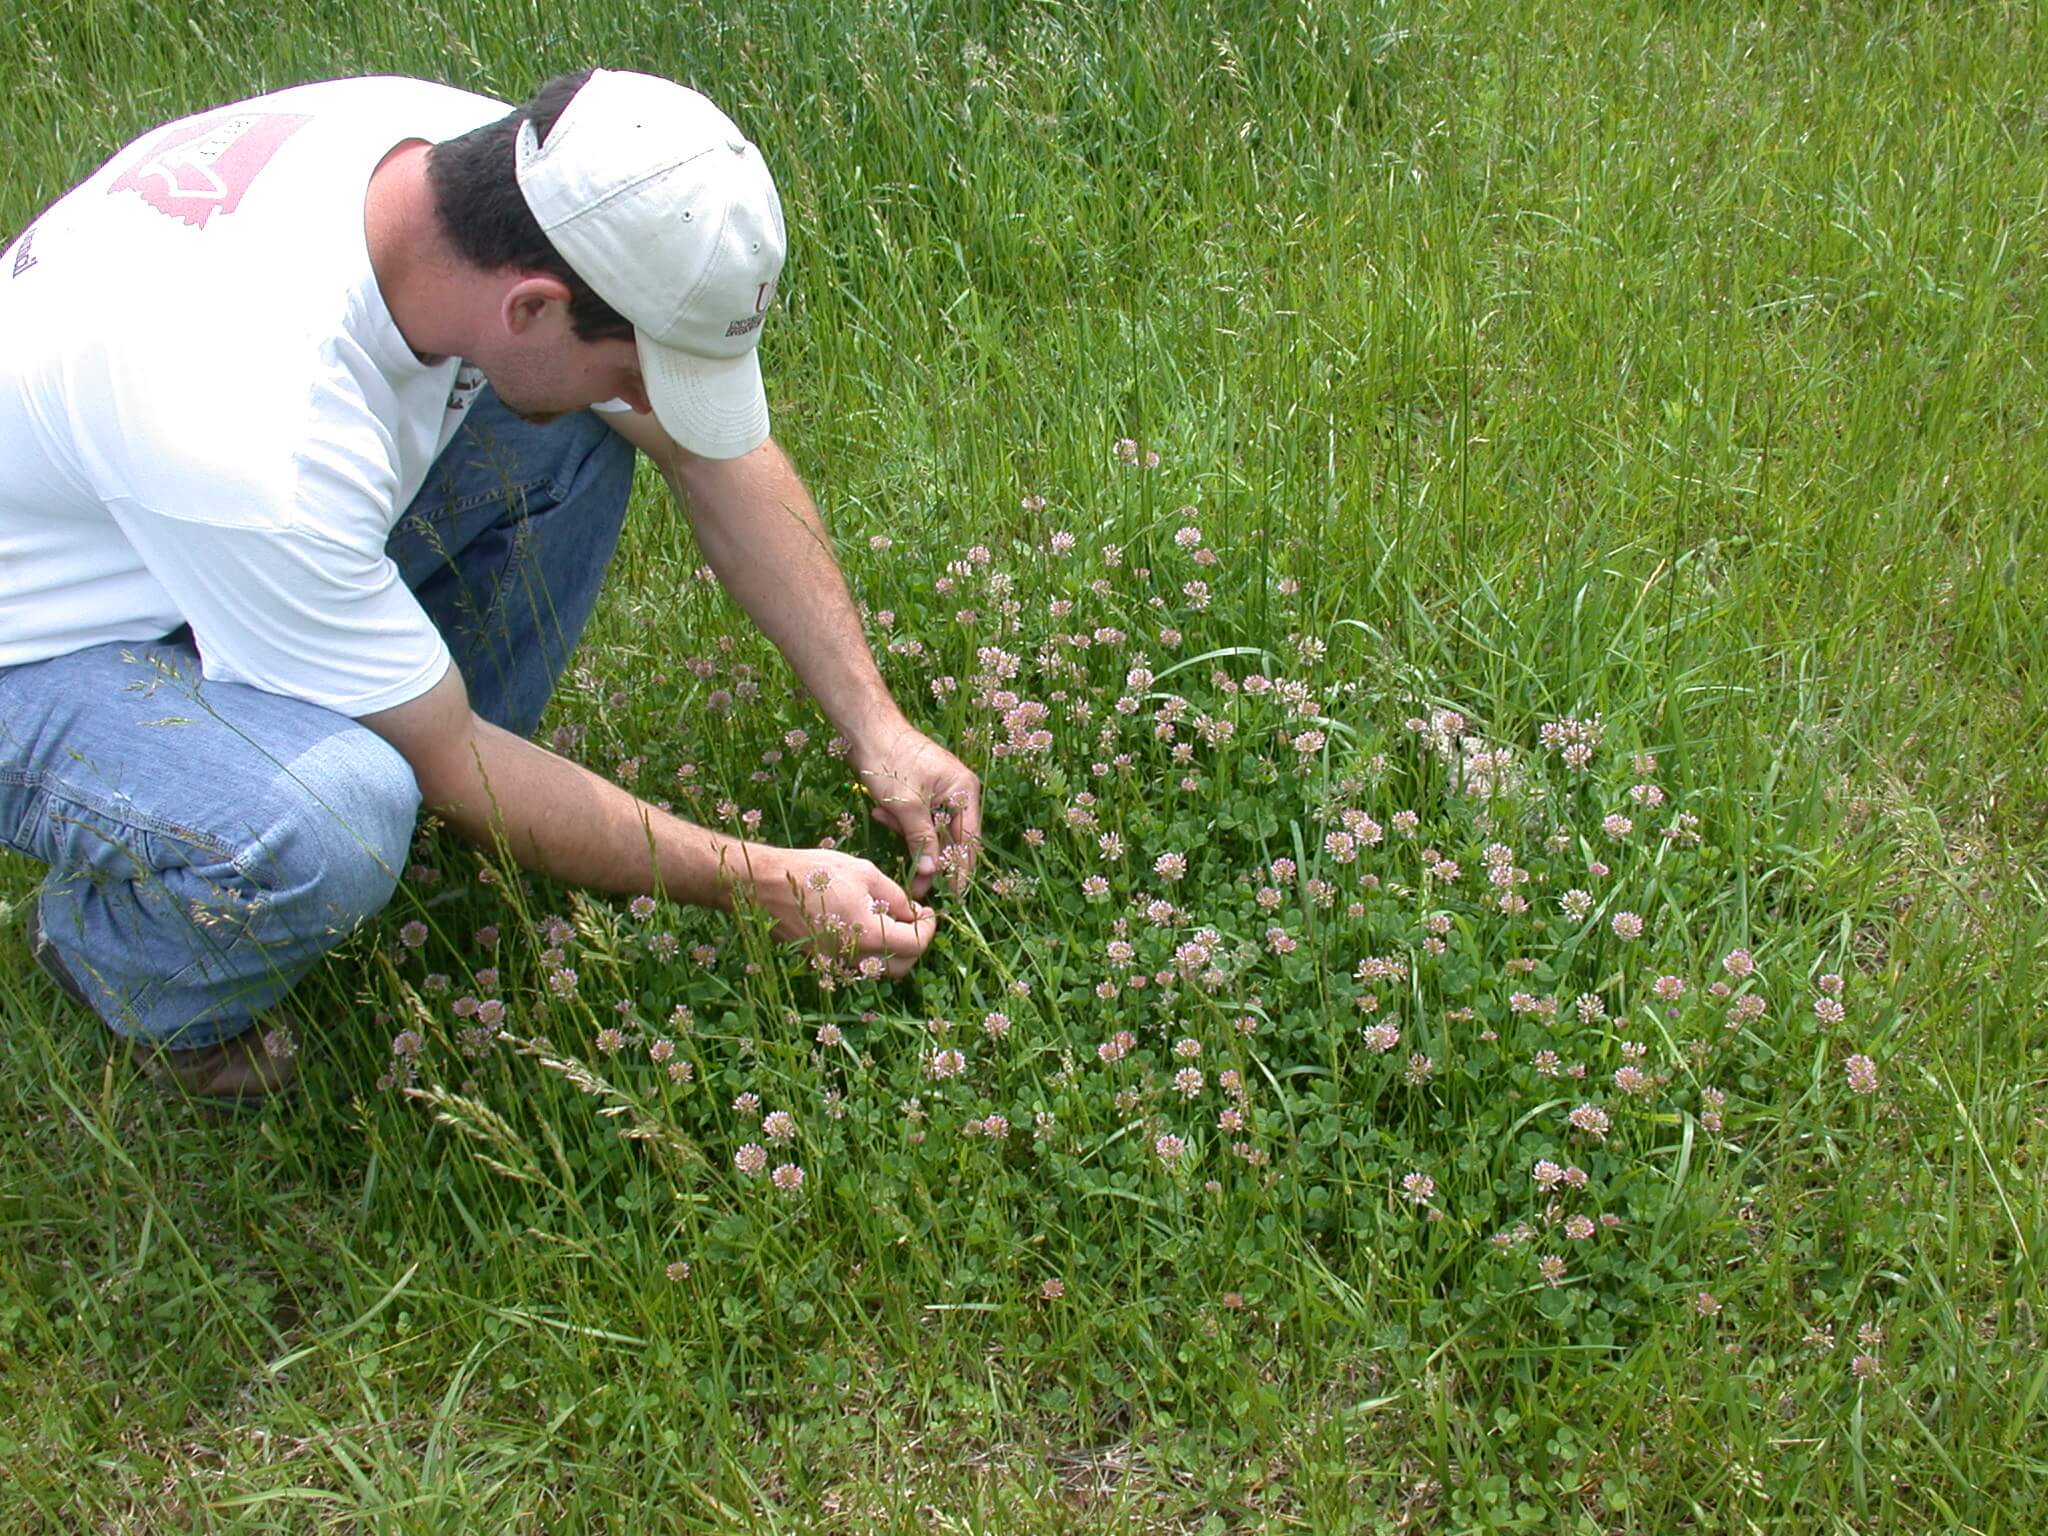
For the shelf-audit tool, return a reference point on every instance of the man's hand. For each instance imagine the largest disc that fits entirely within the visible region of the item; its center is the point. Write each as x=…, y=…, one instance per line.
x=846, y=907
x=930, y=797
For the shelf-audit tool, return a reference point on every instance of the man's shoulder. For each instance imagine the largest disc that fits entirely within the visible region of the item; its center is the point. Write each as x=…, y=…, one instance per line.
x=379, y=95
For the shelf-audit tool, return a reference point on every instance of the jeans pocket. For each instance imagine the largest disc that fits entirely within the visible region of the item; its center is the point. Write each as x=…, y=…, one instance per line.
x=109, y=838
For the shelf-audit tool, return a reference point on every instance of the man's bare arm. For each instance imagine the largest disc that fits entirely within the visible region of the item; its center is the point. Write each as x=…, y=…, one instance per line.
x=762, y=534
x=562, y=820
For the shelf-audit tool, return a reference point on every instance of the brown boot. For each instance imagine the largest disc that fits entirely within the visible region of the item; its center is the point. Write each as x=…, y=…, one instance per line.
x=255, y=1065
x=251, y=1067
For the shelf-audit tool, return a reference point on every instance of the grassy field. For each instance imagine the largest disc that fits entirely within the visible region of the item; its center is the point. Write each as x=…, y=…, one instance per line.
x=1618, y=1108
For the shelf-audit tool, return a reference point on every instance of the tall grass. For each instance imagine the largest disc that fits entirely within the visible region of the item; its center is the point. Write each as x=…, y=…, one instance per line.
x=1676, y=363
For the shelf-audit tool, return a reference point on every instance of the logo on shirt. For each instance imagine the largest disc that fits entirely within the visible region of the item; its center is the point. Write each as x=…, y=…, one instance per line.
x=469, y=379
x=22, y=259
x=195, y=170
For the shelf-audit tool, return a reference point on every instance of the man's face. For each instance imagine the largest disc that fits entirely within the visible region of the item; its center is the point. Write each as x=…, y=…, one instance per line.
x=542, y=377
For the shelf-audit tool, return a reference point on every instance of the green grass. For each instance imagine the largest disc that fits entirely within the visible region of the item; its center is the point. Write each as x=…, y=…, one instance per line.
x=1680, y=363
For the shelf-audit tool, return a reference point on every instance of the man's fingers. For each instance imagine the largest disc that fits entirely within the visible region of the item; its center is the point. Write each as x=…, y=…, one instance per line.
x=924, y=847
x=892, y=900
x=865, y=916
x=966, y=824
x=900, y=943
x=920, y=834
x=903, y=927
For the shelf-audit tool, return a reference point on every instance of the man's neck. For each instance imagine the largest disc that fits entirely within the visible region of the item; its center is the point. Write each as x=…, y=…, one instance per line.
x=418, y=275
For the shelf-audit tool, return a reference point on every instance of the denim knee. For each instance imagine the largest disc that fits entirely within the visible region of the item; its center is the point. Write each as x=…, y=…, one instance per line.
x=337, y=832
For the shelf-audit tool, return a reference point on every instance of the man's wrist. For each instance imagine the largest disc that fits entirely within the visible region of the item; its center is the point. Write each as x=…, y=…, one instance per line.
x=737, y=871
x=870, y=732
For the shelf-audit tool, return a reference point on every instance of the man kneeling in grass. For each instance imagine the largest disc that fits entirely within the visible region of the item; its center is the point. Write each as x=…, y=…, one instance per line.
x=318, y=415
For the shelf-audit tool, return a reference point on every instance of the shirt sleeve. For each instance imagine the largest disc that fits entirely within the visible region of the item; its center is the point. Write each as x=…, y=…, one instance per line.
x=291, y=611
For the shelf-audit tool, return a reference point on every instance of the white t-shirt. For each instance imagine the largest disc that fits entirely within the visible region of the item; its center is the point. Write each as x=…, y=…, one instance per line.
x=207, y=414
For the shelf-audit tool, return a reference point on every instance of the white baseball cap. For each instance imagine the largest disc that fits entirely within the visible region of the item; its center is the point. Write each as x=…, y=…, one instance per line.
x=660, y=203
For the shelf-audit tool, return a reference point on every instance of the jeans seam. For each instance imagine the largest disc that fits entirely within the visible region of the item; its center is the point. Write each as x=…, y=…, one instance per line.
x=457, y=507
x=515, y=563
x=64, y=795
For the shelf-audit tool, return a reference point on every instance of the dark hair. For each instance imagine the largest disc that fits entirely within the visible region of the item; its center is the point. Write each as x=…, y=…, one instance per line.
x=484, y=216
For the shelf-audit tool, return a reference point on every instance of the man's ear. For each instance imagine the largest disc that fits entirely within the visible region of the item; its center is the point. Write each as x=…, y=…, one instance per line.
x=527, y=302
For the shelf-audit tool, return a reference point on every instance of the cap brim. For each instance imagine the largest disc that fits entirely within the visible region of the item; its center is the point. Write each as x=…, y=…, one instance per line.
x=715, y=407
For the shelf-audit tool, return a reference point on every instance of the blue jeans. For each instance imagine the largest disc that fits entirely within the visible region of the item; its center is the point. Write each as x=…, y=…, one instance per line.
x=207, y=842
